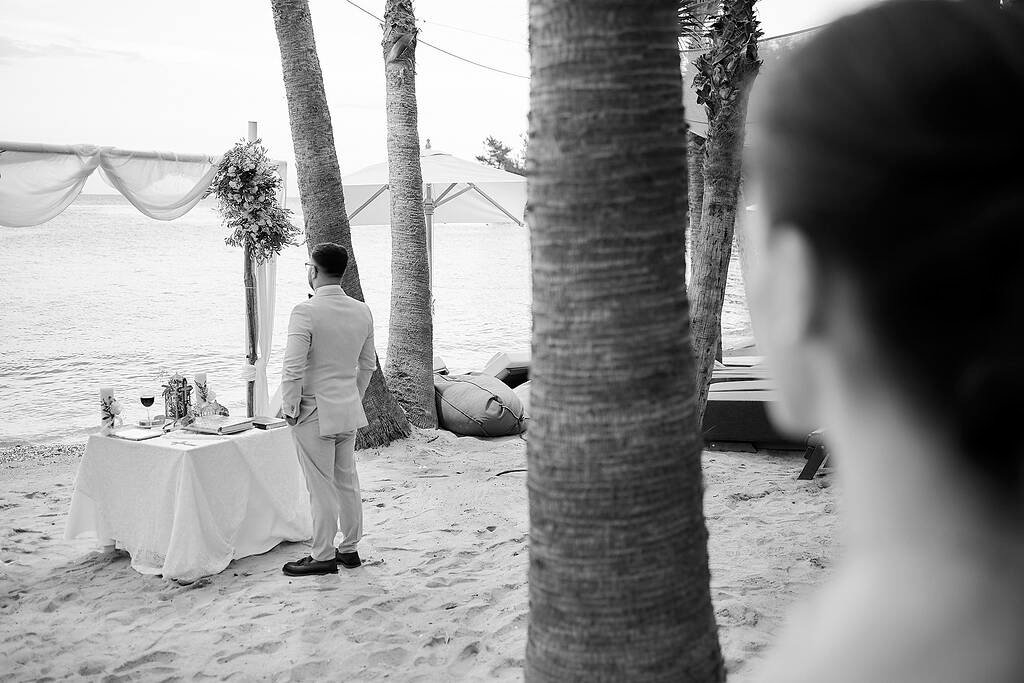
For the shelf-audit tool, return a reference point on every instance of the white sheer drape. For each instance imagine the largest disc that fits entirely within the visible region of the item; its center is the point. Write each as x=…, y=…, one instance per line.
x=161, y=185
x=37, y=182
x=263, y=402
x=266, y=295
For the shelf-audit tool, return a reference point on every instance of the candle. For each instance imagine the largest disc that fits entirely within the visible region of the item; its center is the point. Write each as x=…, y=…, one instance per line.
x=106, y=392
x=200, y=378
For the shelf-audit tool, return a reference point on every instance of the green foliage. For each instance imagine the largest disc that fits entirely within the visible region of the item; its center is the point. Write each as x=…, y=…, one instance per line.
x=246, y=186
x=499, y=155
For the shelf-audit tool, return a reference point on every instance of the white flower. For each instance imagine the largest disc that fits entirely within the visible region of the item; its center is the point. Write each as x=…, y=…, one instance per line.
x=211, y=395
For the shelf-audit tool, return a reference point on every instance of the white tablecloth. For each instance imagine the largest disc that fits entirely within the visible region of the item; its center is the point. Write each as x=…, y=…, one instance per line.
x=185, y=505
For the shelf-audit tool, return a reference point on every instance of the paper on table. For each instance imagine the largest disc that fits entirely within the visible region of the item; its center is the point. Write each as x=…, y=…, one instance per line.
x=136, y=433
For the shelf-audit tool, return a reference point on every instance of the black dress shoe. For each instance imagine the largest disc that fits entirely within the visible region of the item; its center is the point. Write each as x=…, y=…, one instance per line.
x=347, y=560
x=307, y=566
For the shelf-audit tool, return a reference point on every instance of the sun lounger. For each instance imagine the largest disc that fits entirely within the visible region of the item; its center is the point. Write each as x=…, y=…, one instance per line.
x=816, y=455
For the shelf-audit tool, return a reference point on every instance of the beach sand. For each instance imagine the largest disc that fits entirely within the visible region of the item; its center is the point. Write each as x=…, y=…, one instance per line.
x=442, y=594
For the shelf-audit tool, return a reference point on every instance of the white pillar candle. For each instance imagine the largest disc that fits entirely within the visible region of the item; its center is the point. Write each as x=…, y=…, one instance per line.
x=106, y=392
x=200, y=378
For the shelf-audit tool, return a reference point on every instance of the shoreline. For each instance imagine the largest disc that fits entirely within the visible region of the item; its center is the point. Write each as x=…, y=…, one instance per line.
x=442, y=594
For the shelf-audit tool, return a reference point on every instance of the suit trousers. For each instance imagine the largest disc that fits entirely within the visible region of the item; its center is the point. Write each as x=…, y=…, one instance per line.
x=330, y=468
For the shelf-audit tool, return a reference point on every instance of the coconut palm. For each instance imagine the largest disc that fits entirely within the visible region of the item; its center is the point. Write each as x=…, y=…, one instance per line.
x=619, y=582
x=410, y=365
x=723, y=80
x=320, y=189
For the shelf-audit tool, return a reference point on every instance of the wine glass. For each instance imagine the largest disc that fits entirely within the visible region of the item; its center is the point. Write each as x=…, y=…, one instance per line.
x=146, y=398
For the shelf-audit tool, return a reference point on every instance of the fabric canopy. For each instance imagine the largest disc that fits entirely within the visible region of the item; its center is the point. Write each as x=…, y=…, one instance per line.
x=37, y=182
x=462, y=192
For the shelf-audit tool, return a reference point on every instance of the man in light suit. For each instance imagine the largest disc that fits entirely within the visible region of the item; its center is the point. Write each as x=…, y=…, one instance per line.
x=327, y=366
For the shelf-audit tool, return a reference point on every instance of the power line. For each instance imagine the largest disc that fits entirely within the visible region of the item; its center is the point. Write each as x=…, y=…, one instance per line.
x=765, y=40
x=509, y=73
x=441, y=49
x=475, y=33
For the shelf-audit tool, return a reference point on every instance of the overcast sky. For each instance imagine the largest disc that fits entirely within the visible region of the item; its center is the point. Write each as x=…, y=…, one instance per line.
x=186, y=75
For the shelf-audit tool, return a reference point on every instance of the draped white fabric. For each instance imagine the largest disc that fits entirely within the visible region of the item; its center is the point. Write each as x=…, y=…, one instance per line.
x=266, y=296
x=37, y=185
x=161, y=185
x=37, y=182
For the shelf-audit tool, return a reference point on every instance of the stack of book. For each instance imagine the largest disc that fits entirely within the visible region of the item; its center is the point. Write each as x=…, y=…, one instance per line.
x=219, y=424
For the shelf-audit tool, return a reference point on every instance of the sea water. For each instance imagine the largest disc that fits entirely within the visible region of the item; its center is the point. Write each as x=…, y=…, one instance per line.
x=103, y=296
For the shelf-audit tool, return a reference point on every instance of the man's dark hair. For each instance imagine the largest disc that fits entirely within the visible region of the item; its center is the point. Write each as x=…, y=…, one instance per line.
x=331, y=258
x=876, y=201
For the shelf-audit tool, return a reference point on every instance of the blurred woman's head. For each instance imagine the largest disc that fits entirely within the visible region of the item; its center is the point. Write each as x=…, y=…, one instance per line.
x=888, y=163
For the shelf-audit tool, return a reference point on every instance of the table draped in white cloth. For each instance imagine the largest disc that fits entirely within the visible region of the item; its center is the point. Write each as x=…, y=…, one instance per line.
x=185, y=505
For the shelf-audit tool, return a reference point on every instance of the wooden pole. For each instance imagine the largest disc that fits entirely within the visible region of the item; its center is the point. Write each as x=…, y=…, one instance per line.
x=251, y=313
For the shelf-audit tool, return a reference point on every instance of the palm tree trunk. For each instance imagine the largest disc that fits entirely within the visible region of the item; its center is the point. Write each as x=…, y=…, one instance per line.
x=695, y=183
x=619, y=582
x=725, y=75
x=410, y=366
x=320, y=189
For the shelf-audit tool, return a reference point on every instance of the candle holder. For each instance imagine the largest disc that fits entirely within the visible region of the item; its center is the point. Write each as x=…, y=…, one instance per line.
x=110, y=411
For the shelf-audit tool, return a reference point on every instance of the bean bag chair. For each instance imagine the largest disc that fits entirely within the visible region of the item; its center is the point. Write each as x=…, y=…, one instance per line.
x=477, y=405
x=523, y=392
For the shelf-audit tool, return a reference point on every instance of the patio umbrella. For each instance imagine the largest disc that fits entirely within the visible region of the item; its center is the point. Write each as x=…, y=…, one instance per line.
x=454, y=191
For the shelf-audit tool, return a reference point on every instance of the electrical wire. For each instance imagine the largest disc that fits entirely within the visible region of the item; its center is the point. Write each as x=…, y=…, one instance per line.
x=515, y=75
x=475, y=33
x=764, y=40
x=441, y=49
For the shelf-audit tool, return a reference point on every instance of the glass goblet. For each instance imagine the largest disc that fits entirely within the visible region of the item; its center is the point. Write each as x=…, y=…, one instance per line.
x=147, y=398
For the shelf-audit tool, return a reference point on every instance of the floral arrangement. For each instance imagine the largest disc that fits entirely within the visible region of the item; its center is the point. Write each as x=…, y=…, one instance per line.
x=178, y=399
x=110, y=409
x=246, y=186
x=206, y=398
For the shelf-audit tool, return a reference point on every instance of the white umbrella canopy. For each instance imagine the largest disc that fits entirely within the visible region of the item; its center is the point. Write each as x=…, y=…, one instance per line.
x=457, y=191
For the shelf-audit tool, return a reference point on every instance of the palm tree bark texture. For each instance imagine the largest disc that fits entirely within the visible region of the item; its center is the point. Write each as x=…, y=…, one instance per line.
x=410, y=364
x=618, y=578
x=724, y=77
x=320, y=188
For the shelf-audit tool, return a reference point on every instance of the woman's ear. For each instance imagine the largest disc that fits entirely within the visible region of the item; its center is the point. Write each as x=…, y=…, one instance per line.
x=786, y=294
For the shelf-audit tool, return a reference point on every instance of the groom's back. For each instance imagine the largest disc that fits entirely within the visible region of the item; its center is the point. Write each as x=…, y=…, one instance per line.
x=340, y=328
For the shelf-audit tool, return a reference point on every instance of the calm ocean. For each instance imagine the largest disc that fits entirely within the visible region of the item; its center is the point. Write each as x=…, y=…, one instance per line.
x=103, y=296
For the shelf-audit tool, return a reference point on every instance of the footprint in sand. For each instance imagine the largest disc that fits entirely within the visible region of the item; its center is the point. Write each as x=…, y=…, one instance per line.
x=366, y=614
x=158, y=657
x=394, y=656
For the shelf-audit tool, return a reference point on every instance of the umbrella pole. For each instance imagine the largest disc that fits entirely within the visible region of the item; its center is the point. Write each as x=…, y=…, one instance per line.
x=428, y=216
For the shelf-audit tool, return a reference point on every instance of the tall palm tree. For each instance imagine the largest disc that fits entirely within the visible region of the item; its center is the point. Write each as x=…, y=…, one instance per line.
x=320, y=189
x=695, y=181
x=723, y=80
x=410, y=366
x=619, y=581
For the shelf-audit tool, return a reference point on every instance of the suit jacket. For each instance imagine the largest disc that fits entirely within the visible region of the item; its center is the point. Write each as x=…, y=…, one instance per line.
x=328, y=360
